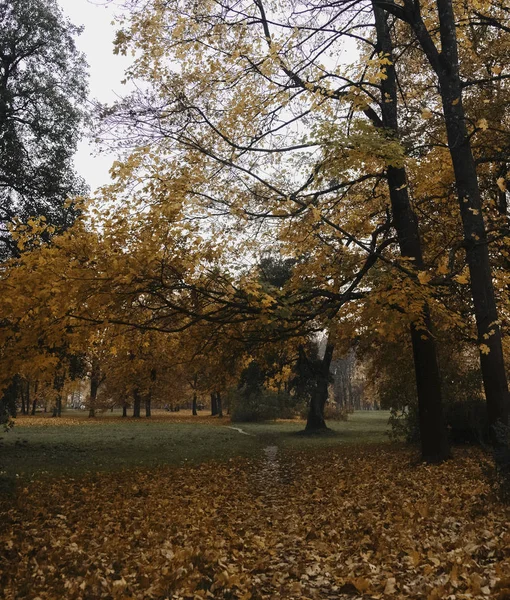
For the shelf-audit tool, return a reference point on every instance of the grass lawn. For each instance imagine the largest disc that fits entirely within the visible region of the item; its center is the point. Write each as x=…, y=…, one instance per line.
x=75, y=444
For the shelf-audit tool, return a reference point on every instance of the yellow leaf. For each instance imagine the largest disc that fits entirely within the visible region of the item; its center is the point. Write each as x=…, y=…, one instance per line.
x=424, y=277
x=501, y=184
x=496, y=70
x=361, y=584
x=426, y=113
x=456, y=101
x=442, y=268
x=482, y=124
x=461, y=279
x=484, y=349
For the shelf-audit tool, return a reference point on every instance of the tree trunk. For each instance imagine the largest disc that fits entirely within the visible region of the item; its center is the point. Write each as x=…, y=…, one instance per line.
x=124, y=410
x=318, y=370
x=58, y=386
x=34, y=403
x=25, y=398
x=137, y=403
x=433, y=431
x=446, y=66
x=219, y=404
x=148, y=399
x=214, y=404
x=95, y=381
x=194, y=405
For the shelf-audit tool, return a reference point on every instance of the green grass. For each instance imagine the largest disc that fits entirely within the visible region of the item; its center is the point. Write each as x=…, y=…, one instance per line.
x=44, y=447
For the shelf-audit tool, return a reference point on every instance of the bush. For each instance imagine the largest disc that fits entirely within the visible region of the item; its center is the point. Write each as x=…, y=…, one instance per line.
x=334, y=412
x=501, y=454
x=253, y=408
x=404, y=424
x=467, y=422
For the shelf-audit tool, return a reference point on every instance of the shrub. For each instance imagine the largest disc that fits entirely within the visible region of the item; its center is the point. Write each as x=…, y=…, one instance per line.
x=252, y=408
x=467, y=422
x=334, y=412
x=404, y=424
x=501, y=454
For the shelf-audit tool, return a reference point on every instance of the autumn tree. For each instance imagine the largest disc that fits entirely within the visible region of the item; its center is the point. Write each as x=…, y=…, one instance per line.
x=445, y=62
x=42, y=94
x=257, y=65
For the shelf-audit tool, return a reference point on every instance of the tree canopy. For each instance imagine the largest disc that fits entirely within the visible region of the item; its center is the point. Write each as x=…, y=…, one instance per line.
x=43, y=91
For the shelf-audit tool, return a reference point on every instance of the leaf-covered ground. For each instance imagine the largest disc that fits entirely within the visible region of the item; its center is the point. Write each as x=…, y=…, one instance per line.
x=351, y=522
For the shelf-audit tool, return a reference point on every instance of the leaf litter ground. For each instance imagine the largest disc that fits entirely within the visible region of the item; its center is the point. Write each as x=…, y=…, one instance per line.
x=351, y=522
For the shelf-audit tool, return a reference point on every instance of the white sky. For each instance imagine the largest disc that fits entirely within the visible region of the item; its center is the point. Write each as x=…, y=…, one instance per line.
x=106, y=72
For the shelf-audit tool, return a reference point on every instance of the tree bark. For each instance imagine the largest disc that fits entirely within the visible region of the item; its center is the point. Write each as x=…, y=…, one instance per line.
x=194, y=405
x=95, y=381
x=219, y=404
x=137, y=403
x=214, y=404
x=148, y=400
x=433, y=431
x=25, y=399
x=318, y=370
x=58, y=385
x=124, y=410
x=34, y=403
x=446, y=66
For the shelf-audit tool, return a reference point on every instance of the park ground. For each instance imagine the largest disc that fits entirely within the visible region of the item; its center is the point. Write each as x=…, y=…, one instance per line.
x=183, y=507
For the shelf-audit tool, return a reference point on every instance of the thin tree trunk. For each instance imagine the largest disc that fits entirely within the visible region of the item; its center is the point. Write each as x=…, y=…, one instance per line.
x=194, y=405
x=34, y=403
x=148, y=396
x=137, y=402
x=433, y=432
x=25, y=401
x=219, y=404
x=124, y=410
x=95, y=381
x=214, y=404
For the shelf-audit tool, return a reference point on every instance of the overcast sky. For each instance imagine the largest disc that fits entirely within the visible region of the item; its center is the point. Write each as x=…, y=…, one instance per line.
x=106, y=72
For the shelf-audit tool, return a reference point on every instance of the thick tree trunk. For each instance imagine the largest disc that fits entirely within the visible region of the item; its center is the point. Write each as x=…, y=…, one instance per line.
x=433, y=431
x=219, y=404
x=194, y=405
x=214, y=404
x=318, y=370
x=137, y=403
